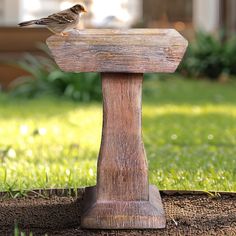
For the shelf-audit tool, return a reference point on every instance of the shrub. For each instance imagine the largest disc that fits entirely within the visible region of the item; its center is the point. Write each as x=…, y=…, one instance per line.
x=230, y=56
x=204, y=57
x=209, y=57
x=47, y=79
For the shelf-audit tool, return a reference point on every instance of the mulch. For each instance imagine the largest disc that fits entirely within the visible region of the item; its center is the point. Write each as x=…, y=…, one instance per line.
x=57, y=212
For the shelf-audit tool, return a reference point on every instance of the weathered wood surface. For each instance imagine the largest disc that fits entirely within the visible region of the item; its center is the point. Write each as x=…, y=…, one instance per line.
x=123, y=214
x=122, y=198
x=122, y=165
x=108, y=50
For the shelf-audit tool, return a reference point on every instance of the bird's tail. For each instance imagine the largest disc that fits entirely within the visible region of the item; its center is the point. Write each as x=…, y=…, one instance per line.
x=27, y=23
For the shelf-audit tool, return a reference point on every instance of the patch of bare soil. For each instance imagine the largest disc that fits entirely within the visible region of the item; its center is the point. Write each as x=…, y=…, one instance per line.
x=191, y=213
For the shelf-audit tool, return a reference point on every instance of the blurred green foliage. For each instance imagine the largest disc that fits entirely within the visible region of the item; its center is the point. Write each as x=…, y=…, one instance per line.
x=45, y=78
x=208, y=56
x=230, y=56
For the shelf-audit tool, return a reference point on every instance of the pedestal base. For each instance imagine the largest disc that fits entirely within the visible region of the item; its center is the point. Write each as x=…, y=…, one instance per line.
x=123, y=214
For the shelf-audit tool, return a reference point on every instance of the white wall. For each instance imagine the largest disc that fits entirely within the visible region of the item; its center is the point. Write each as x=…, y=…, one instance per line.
x=206, y=15
x=11, y=12
x=116, y=13
x=1, y=11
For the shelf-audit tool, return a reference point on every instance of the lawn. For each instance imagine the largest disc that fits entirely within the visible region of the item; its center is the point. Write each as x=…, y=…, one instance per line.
x=189, y=131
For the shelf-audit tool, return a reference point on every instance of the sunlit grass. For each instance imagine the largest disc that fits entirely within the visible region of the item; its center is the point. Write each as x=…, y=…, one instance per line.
x=189, y=130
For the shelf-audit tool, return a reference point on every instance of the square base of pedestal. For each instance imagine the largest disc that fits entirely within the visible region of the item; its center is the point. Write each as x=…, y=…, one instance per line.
x=123, y=214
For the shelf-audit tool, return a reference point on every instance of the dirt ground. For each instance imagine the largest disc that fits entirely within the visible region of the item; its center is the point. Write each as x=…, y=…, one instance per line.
x=188, y=213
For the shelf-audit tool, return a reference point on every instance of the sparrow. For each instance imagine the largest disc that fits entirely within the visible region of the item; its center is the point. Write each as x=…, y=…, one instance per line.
x=61, y=22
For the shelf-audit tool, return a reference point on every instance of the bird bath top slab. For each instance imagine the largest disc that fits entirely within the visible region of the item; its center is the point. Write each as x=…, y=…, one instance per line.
x=109, y=50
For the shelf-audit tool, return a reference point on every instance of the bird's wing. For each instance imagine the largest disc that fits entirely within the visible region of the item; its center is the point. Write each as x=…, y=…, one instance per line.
x=59, y=18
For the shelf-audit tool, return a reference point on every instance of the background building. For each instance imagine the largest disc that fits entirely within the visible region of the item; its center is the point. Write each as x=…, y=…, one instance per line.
x=186, y=16
x=208, y=15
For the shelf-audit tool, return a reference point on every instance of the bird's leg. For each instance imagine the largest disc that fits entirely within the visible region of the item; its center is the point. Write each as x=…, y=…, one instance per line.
x=77, y=29
x=56, y=33
x=64, y=34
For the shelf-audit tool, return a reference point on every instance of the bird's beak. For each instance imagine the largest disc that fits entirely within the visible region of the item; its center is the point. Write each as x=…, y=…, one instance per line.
x=85, y=11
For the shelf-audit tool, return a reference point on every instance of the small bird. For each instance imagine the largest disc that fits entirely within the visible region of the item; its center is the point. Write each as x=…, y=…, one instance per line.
x=61, y=22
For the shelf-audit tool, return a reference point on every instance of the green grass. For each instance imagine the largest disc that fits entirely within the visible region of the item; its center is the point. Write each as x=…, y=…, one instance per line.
x=189, y=131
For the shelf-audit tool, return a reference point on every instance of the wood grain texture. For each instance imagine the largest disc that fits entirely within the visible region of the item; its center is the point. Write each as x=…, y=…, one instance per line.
x=107, y=50
x=122, y=164
x=122, y=198
x=123, y=214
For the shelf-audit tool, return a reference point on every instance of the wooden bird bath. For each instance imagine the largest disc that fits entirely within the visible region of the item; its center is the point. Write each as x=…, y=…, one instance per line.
x=122, y=198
